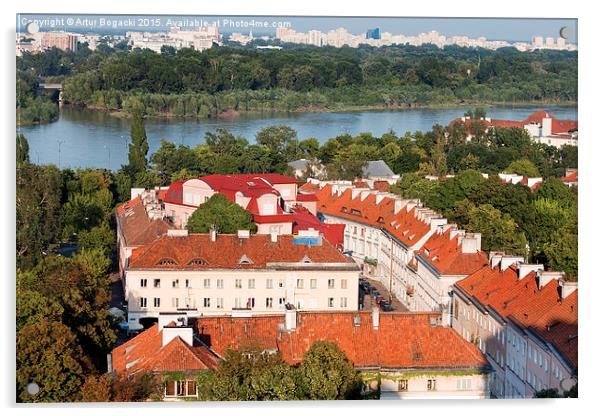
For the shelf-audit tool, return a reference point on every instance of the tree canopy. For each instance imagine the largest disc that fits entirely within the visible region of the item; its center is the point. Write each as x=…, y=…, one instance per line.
x=227, y=216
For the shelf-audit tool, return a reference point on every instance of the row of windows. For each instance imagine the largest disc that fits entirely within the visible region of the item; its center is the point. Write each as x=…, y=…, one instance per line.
x=238, y=303
x=238, y=283
x=431, y=384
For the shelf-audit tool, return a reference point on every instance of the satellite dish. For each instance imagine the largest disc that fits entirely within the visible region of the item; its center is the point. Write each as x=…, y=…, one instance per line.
x=32, y=28
x=567, y=383
x=33, y=389
x=565, y=32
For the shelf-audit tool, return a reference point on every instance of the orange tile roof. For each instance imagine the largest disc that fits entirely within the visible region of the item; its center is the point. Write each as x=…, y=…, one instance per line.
x=146, y=352
x=403, y=340
x=558, y=126
x=541, y=310
x=445, y=254
x=404, y=225
x=136, y=227
x=228, y=250
x=570, y=177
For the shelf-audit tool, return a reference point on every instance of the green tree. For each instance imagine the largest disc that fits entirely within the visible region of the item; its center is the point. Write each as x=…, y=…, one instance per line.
x=22, y=149
x=138, y=148
x=327, y=374
x=49, y=355
x=33, y=306
x=276, y=138
x=523, y=167
x=561, y=253
x=499, y=231
x=227, y=216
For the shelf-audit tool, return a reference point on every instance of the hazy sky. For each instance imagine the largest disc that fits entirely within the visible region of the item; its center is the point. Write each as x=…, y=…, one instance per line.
x=495, y=29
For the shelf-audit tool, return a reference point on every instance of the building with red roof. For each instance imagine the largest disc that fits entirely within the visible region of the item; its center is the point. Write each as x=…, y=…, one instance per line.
x=202, y=274
x=404, y=355
x=407, y=247
x=542, y=126
x=570, y=178
x=525, y=321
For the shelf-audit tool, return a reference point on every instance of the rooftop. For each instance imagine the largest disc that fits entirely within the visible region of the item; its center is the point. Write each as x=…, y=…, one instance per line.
x=228, y=251
x=136, y=226
x=402, y=340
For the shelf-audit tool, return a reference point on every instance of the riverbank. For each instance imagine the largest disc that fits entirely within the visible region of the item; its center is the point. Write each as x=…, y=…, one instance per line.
x=341, y=108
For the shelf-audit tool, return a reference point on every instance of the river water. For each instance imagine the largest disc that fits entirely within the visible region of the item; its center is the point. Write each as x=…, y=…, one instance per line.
x=88, y=138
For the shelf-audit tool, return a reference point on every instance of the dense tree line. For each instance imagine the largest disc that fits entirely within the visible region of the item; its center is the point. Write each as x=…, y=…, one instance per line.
x=203, y=84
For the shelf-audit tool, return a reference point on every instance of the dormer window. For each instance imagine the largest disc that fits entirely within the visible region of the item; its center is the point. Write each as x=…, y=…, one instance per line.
x=197, y=262
x=167, y=262
x=306, y=260
x=356, y=212
x=381, y=220
x=245, y=260
x=344, y=209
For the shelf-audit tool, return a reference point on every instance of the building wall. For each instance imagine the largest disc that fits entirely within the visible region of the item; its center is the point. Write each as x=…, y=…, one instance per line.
x=516, y=363
x=288, y=191
x=446, y=386
x=295, y=287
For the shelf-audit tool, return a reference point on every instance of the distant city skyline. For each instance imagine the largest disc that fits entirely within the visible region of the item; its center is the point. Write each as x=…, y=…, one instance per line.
x=515, y=29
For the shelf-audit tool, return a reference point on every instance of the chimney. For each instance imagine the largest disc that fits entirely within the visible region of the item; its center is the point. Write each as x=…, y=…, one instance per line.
x=507, y=261
x=244, y=234
x=177, y=233
x=399, y=204
x=525, y=269
x=437, y=222
x=546, y=277
x=495, y=257
x=375, y=317
x=134, y=192
x=567, y=288
x=290, y=317
x=471, y=243
x=274, y=237
x=546, y=126
x=171, y=331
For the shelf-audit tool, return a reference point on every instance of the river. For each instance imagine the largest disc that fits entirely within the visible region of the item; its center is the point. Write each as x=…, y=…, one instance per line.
x=88, y=138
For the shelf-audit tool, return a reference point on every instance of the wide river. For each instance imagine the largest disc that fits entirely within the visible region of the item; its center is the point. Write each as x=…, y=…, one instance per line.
x=87, y=138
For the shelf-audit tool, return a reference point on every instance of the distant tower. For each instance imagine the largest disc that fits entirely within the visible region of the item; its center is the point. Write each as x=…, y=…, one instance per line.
x=373, y=33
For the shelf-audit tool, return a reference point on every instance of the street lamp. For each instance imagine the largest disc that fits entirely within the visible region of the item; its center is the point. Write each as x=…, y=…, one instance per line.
x=60, y=142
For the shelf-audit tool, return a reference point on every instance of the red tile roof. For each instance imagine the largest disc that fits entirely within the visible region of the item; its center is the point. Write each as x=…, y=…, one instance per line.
x=146, y=352
x=404, y=225
x=445, y=254
x=197, y=251
x=304, y=220
x=558, y=126
x=402, y=340
x=135, y=225
x=541, y=310
x=570, y=177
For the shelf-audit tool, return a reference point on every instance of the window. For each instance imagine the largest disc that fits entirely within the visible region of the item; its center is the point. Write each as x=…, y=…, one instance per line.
x=157, y=302
x=143, y=302
x=142, y=282
x=269, y=283
x=268, y=303
x=431, y=384
x=545, y=365
x=402, y=385
x=238, y=283
x=206, y=302
x=463, y=384
x=237, y=302
x=343, y=283
x=219, y=303
x=313, y=283
x=343, y=302
x=157, y=283
x=220, y=283
x=206, y=283
x=330, y=283
x=251, y=283
x=299, y=303
x=180, y=389
x=189, y=303
x=175, y=302
x=280, y=283
x=187, y=283
x=281, y=303
x=250, y=302
x=299, y=283
x=175, y=283
x=331, y=302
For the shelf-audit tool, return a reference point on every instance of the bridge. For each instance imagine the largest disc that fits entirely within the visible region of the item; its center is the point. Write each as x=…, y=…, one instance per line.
x=50, y=86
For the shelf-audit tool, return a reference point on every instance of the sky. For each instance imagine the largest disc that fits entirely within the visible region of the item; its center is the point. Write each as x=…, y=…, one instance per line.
x=491, y=28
